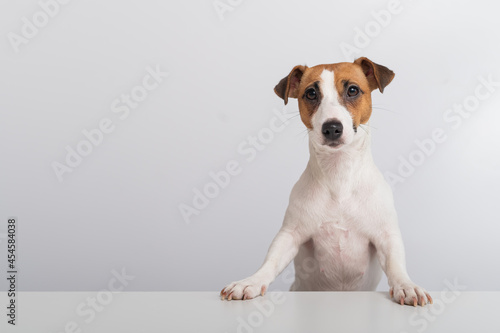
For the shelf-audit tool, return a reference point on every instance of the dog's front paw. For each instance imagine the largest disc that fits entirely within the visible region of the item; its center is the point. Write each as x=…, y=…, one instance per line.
x=409, y=293
x=244, y=289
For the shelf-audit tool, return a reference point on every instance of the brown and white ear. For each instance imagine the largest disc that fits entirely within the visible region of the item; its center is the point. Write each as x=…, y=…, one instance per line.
x=378, y=76
x=289, y=85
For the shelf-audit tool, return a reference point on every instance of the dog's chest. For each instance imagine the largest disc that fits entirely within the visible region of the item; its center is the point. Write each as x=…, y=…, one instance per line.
x=340, y=239
x=343, y=256
x=340, y=242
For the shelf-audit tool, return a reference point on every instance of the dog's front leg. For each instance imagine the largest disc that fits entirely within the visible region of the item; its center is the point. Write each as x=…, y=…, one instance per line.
x=390, y=250
x=283, y=249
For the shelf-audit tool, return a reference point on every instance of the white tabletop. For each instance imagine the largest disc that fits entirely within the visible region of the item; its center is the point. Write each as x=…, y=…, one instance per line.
x=310, y=312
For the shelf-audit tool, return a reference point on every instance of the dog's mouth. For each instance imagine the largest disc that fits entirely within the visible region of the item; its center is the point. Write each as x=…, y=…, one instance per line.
x=334, y=144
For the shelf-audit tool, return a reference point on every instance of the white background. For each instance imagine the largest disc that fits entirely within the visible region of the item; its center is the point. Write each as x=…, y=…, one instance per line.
x=120, y=207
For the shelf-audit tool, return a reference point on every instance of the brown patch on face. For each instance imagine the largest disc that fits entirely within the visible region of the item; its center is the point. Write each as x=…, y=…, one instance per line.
x=346, y=75
x=350, y=78
x=310, y=82
x=362, y=76
x=302, y=83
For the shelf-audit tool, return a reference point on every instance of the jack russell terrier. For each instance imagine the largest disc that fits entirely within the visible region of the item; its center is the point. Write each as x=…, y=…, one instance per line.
x=340, y=225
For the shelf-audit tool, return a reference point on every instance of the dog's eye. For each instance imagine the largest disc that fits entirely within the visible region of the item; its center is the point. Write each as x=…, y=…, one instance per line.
x=311, y=94
x=352, y=91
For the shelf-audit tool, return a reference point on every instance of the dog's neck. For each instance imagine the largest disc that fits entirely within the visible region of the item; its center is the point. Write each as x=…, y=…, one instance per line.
x=341, y=169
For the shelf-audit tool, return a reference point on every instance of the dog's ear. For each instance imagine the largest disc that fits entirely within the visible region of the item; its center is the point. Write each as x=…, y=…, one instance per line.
x=289, y=85
x=378, y=76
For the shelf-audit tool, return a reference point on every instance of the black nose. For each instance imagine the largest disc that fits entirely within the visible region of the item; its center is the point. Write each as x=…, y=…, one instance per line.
x=332, y=130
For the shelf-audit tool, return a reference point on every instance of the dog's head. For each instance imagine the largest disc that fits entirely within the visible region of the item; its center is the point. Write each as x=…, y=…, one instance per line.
x=334, y=99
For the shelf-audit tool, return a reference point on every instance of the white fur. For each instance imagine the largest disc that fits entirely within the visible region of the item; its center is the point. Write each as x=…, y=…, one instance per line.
x=329, y=109
x=340, y=225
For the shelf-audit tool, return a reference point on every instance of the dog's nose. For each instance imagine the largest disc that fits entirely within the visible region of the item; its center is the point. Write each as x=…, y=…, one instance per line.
x=332, y=130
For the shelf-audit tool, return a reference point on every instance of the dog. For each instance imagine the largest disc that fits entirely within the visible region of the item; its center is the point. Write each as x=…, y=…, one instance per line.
x=340, y=227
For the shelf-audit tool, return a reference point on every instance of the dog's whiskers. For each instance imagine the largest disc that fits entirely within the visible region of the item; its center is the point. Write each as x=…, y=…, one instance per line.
x=288, y=119
x=304, y=132
x=368, y=126
x=388, y=110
